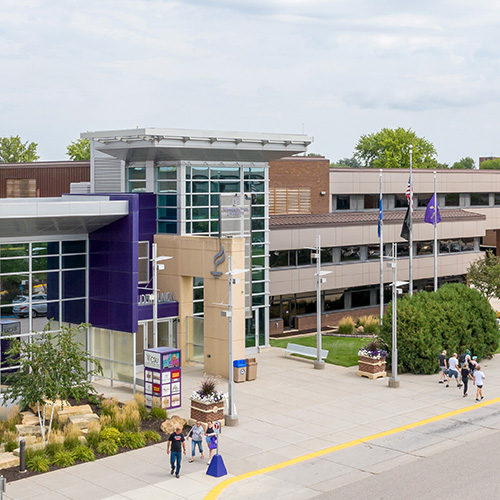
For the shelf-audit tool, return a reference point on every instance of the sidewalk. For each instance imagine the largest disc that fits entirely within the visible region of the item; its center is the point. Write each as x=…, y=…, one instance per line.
x=289, y=411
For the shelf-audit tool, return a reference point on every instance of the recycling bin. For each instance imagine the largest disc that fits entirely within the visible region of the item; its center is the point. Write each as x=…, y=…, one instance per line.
x=239, y=370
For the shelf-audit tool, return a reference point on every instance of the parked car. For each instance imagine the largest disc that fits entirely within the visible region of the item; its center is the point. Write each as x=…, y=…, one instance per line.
x=38, y=305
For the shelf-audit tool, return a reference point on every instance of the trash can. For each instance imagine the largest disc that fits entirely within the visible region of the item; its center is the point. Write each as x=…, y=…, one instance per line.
x=251, y=368
x=239, y=370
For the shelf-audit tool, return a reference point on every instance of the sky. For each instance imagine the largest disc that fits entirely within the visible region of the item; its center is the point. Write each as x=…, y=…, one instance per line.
x=332, y=69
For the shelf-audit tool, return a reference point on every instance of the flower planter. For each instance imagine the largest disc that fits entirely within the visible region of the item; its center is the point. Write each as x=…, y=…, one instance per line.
x=371, y=367
x=207, y=411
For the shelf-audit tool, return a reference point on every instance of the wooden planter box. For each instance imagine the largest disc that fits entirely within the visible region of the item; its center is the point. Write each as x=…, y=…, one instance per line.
x=207, y=411
x=372, y=368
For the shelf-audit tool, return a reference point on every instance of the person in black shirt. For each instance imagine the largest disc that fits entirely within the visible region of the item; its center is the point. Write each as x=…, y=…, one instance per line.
x=443, y=367
x=175, y=445
x=465, y=377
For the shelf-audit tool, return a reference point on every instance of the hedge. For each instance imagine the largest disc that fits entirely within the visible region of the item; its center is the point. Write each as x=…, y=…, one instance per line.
x=454, y=318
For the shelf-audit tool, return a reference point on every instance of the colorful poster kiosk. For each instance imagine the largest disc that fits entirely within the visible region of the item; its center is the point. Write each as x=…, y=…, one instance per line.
x=162, y=377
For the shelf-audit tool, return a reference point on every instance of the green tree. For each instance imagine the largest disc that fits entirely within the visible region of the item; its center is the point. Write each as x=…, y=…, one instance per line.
x=13, y=150
x=79, y=150
x=346, y=163
x=490, y=165
x=455, y=318
x=53, y=366
x=390, y=148
x=484, y=274
x=465, y=163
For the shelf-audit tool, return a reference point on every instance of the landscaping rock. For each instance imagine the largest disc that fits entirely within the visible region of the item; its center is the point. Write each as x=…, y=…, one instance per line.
x=8, y=460
x=29, y=418
x=34, y=446
x=64, y=414
x=58, y=405
x=169, y=425
x=83, y=421
x=27, y=430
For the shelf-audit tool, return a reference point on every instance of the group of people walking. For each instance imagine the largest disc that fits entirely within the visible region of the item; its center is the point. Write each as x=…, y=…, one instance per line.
x=463, y=368
x=176, y=444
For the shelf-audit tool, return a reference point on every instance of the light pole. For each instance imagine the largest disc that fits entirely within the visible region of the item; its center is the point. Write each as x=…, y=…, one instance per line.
x=319, y=364
x=156, y=267
x=394, y=380
x=231, y=419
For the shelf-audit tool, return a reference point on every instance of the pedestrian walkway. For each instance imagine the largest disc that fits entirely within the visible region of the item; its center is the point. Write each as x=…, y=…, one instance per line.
x=291, y=410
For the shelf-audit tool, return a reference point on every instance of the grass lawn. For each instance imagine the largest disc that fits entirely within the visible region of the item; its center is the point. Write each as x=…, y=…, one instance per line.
x=342, y=351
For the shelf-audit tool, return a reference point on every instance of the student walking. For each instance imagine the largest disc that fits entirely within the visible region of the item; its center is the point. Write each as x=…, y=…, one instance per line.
x=196, y=434
x=453, y=370
x=479, y=382
x=211, y=438
x=443, y=366
x=465, y=377
x=175, y=445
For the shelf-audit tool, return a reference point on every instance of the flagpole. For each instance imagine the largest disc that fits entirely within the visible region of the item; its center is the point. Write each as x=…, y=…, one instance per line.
x=435, y=236
x=410, y=272
x=381, y=222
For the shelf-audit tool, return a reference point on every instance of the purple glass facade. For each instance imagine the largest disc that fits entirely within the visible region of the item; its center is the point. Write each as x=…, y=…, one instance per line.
x=114, y=267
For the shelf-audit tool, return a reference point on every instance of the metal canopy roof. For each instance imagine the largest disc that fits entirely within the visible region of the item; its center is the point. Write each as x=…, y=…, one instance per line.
x=197, y=145
x=20, y=217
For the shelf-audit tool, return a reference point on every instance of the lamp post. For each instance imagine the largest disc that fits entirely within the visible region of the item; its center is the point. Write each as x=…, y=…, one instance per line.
x=156, y=267
x=319, y=364
x=231, y=419
x=394, y=380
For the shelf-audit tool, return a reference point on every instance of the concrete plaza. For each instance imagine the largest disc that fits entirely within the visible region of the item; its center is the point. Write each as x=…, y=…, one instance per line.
x=290, y=411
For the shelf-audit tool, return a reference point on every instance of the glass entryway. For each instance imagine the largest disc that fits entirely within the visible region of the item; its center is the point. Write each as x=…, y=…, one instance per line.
x=195, y=345
x=167, y=336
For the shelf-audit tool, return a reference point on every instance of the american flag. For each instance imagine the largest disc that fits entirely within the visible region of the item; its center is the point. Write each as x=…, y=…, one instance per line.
x=409, y=194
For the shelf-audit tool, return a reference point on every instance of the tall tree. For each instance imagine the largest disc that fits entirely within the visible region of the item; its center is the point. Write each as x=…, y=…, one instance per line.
x=79, y=150
x=13, y=150
x=490, y=165
x=346, y=163
x=465, y=163
x=390, y=148
x=484, y=274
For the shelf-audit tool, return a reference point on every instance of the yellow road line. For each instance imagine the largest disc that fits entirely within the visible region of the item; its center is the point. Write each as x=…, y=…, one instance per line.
x=215, y=492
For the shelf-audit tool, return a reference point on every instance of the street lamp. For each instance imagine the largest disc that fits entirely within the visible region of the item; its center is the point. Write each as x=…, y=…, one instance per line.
x=156, y=268
x=319, y=364
x=231, y=419
x=396, y=290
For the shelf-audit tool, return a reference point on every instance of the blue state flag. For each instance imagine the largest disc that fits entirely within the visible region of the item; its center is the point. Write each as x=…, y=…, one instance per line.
x=431, y=210
x=380, y=217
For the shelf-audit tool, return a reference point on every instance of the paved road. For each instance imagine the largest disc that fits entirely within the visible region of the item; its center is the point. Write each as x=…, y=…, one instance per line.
x=470, y=470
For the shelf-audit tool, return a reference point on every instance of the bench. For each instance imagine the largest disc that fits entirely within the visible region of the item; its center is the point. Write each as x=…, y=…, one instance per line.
x=303, y=350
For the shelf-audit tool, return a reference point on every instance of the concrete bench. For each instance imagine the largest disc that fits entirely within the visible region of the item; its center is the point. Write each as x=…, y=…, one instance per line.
x=305, y=351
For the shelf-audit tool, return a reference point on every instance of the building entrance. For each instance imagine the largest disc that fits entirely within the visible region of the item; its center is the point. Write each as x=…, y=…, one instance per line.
x=167, y=336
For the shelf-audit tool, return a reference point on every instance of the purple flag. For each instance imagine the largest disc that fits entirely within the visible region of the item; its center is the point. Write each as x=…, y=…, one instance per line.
x=431, y=210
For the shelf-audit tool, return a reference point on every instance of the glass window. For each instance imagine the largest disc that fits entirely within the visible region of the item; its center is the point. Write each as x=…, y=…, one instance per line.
x=200, y=213
x=74, y=246
x=305, y=303
x=497, y=198
x=479, y=199
x=200, y=200
x=137, y=173
x=73, y=283
x=167, y=187
x=371, y=201
x=403, y=249
x=44, y=263
x=258, y=287
x=14, y=266
x=334, y=301
x=258, y=224
x=73, y=311
x=343, y=202
x=278, y=258
x=167, y=173
x=423, y=200
x=14, y=250
x=373, y=252
x=444, y=246
x=224, y=173
x=452, y=200
x=350, y=253
x=360, y=298
x=72, y=261
x=199, y=173
x=467, y=245
x=327, y=255
x=400, y=201
x=200, y=187
x=254, y=173
x=143, y=261
x=304, y=257
x=424, y=247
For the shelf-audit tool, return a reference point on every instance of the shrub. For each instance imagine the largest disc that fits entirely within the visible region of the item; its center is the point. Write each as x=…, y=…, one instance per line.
x=38, y=463
x=111, y=434
x=158, y=413
x=53, y=447
x=127, y=418
x=454, y=318
x=63, y=458
x=105, y=421
x=11, y=446
x=151, y=436
x=143, y=411
x=107, y=447
x=370, y=324
x=109, y=406
x=133, y=440
x=83, y=453
x=92, y=439
x=71, y=436
x=96, y=399
x=346, y=325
